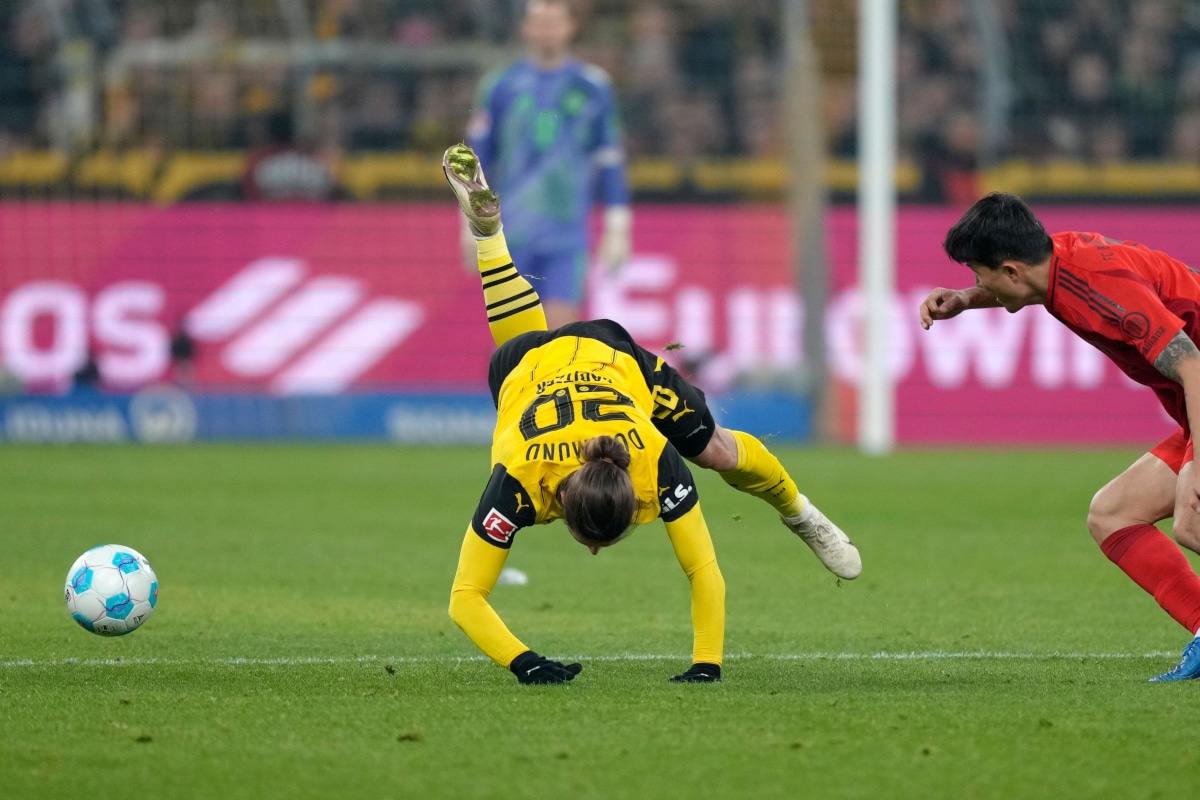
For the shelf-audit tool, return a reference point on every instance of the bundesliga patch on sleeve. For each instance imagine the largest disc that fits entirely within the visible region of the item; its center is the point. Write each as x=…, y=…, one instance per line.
x=503, y=510
x=498, y=528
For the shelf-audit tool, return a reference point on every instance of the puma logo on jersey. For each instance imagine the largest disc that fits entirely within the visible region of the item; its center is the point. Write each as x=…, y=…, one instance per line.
x=521, y=503
x=680, y=493
x=499, y=527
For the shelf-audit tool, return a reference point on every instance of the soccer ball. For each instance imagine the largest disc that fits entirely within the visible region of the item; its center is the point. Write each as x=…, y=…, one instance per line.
x=111, y=590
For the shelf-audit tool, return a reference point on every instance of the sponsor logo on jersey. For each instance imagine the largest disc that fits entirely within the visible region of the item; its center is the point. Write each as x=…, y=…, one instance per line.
x=499, y=527
x=680, y=493
x=521, y=503
x=1148, y=343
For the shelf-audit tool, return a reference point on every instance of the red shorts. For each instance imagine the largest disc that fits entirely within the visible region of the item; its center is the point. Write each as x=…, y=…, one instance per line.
x=1174, y=451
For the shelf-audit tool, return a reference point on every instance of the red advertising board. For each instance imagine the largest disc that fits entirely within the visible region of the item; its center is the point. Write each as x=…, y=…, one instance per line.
x=335, y=298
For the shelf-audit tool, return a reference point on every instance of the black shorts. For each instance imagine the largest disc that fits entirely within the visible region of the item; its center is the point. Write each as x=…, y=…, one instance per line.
x=680, y=411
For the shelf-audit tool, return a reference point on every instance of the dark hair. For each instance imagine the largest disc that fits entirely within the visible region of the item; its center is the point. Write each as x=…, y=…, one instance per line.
x=998, y=228
x=598, y=500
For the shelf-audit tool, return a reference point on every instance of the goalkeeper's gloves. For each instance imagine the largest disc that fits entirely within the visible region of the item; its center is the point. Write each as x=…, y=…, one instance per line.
x=616, y=240
x=470, y=249
x=530, y=668
x=700, y=673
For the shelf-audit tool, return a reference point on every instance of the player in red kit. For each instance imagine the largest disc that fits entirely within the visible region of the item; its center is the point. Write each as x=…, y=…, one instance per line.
x=1141, y=308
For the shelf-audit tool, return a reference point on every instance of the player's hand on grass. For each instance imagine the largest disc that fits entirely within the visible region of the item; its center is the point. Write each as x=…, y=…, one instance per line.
x=943, y=304
x=530, y=668
x=700, y=673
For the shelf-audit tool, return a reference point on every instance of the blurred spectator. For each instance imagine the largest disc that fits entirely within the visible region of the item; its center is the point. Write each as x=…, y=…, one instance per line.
x=757, y=109
x=88, y=374
x=693, y=126
x=1089, y=98
x=949, y=160
x=18, y=90
x=284, y=170
x=1184, y=140
x=708, y=60
x=651, y=74
x=438, y=114
x=1145, y=90
x=183, y=356
x=214, y=121
x=27, y=79
x=1109, y=142
x=380, y=121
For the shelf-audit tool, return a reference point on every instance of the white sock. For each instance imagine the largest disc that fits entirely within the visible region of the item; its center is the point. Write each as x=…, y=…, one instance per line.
x=805, y=513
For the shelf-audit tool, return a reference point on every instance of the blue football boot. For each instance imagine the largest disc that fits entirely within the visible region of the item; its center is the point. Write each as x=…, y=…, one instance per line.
x=1188, y=667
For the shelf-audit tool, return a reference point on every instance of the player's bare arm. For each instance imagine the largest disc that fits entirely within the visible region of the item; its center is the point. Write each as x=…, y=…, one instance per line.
x=1180, y=361
x=945, y=303
x=1174, y=360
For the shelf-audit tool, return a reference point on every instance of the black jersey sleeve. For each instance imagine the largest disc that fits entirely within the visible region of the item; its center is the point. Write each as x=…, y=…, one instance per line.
x=676, y=488
x=504, y=508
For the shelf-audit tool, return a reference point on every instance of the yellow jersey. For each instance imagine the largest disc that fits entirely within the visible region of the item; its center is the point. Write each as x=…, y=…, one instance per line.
x=554, y=390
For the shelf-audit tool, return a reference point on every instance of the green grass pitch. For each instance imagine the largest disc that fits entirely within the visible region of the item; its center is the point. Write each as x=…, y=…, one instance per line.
x=301, y=646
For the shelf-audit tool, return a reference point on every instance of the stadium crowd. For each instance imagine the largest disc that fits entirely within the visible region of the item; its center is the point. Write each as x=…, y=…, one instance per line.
x=1098, y=81
x=1093, y=80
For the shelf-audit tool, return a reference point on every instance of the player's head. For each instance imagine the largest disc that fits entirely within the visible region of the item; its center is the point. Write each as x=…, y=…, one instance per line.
x=548, y=28
x=998, y=228
x=598, y=500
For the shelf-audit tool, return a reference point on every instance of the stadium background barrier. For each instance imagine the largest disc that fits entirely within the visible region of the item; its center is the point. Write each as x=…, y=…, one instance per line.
x=355, y=320
x=165, y=414
x=407, y=175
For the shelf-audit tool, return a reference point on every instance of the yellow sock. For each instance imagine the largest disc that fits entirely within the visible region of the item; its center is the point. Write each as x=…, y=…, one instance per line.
x=759, y=473
x=513, y=307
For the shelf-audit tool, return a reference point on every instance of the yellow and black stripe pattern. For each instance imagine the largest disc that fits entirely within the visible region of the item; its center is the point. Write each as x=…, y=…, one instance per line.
x=513, y=306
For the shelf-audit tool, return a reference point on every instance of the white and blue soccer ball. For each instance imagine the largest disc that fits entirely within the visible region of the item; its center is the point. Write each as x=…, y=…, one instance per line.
x=111, y=590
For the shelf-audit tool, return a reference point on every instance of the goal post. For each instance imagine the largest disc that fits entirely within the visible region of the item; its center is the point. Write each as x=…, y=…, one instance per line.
x=877, y=219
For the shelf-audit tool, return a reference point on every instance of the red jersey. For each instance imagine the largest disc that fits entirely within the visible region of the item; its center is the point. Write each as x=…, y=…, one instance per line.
x=1128, y=301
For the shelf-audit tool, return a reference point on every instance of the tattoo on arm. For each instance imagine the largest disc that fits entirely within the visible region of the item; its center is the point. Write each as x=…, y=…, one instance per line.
x=1176, y=351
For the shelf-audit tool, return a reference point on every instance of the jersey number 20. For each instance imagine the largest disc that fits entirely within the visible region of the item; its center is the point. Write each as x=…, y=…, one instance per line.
x=592, y=408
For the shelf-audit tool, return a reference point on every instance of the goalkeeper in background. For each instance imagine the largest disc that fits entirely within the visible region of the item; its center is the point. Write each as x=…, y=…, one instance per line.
x=593, y=429
x=547, y=132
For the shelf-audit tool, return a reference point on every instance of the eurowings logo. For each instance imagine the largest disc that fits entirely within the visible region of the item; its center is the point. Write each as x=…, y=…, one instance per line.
x=304, y=335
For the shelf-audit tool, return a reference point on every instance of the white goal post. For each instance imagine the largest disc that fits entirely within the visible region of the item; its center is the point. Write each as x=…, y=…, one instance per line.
x=876, y=219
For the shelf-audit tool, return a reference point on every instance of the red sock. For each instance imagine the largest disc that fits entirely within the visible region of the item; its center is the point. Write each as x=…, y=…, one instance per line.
x=1156, y=564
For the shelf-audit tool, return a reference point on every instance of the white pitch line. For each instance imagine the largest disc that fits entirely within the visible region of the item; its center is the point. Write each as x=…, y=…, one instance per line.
x=934, y=655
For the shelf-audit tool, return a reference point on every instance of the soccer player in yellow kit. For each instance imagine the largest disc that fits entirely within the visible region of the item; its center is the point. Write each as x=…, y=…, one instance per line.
x=593, y=429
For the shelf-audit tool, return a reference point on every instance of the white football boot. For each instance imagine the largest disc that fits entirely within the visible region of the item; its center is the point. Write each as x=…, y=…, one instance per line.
x=479, y=203
x=833, y=548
